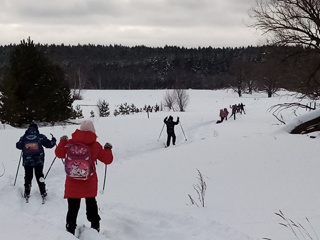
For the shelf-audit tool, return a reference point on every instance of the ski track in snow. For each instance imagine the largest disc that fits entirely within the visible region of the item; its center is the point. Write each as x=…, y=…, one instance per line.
x=126, y=223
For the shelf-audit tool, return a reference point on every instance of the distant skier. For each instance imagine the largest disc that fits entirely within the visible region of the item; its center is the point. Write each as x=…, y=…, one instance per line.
x=241, y=106
x=170, y=129
x=233, y=111
x=221, y=115
x=226, y=113
x=31, y=144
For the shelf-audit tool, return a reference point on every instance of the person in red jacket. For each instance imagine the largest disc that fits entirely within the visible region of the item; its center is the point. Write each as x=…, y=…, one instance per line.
x=76, y=189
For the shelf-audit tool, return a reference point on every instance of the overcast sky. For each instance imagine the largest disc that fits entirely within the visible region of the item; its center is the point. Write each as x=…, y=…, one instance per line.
x=154, y=23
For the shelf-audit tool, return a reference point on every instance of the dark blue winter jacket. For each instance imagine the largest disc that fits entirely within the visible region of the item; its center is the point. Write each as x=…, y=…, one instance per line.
x=34, y=158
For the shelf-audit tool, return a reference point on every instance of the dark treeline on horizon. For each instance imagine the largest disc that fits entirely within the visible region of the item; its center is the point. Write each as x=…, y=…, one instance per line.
x=247, y=69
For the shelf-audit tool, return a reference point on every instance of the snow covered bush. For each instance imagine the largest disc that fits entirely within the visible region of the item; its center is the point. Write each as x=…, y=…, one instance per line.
x=116, y=112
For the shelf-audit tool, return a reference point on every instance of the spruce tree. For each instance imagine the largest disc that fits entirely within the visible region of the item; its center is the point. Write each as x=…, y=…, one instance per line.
x=103, y=107
x=33, y=88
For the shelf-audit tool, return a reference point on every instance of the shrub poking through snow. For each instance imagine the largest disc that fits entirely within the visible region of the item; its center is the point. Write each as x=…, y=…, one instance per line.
x=297, y=229
x=200, y=188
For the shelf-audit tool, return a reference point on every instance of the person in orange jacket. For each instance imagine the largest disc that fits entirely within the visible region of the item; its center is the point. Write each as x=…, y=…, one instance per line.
x=76, y=189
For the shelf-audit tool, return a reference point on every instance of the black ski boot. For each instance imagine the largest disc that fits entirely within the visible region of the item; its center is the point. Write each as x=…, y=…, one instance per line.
x=43, y=193
x=27, y=190
x=71, y=228
x=96, y=226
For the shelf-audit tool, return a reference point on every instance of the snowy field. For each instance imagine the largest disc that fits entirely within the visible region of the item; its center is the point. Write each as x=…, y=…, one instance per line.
x=252, y=168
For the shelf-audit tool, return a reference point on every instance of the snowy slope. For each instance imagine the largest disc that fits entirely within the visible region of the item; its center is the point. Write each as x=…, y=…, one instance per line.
x=251, y=165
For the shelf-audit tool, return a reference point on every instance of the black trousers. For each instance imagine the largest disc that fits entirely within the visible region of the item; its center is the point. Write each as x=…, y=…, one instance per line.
x=234, y=116
x=91, y=211
x=221, y=120
x=38, y=172
x=173, y=136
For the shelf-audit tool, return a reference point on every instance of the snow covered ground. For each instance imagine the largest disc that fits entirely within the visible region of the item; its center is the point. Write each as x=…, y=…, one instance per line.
x=252, y=168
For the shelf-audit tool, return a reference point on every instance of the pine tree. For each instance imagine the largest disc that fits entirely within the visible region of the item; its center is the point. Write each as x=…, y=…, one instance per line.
x=33, y=88
x=132, y=108
x=116, y=112
x=122, y=110
x=103, y=108
x=78, y=112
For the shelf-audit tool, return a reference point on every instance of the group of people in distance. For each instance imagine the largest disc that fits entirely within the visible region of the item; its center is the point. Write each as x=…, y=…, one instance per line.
x=236, y=108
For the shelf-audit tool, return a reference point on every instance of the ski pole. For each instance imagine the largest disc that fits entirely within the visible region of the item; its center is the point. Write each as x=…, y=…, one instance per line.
x=161, y=132
x=56, y=146
x=4, y=170
x=52, y=162
x=183, y=132
x=104, y=181
x=17, y=170
x=50, y=167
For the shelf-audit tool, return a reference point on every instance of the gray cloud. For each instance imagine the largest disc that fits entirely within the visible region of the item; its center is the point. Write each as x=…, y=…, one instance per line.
x=189, y=23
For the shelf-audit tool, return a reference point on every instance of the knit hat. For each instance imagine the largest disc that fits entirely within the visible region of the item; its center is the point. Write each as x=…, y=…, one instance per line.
x=32, y=129
x=33, y=125
x=87, y=125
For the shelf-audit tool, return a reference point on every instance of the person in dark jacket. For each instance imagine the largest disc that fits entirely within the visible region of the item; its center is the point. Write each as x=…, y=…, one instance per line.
x=31, y=144
x=233, y=111
x=170, y=129
x=226, y=113
x=76, y=189
x=241, y=106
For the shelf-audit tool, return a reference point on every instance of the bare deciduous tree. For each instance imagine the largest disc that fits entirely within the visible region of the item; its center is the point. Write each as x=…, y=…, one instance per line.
x=176, y=100
x=294, y=22
x=269, y=73
x=237, y=72
x=241, y=74
x=182, y=99
x=291, y=22
x=169, y=100
x=80, y=80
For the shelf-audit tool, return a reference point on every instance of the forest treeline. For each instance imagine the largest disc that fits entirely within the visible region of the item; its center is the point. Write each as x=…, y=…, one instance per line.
x=245, y=69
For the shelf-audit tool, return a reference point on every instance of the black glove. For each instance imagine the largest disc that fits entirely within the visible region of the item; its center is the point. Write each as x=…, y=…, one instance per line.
x=107, y=146
x=64, y=137
x=54, y=140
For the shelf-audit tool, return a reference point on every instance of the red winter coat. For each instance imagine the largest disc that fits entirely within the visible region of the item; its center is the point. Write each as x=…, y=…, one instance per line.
x=221, y=113
x=84, y=188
